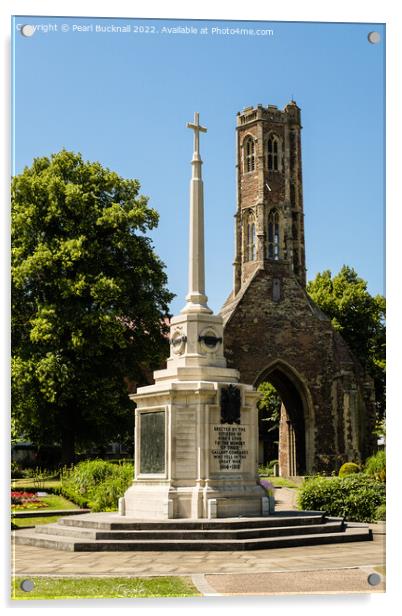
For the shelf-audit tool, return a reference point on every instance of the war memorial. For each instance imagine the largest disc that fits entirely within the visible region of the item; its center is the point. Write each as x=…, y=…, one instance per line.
x=196, y=485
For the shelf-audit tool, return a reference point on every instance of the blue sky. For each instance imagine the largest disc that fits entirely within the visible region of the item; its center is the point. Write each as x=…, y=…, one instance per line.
x=124, y=99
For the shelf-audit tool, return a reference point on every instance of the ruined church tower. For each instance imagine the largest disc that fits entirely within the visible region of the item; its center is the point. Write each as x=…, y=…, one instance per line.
x=273, y=331
x=269, y=218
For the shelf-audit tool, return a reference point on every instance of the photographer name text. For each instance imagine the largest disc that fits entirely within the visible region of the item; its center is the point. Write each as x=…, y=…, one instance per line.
x=178, y=29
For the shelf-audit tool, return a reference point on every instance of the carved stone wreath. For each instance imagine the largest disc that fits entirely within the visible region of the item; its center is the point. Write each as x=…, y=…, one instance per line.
x=178, y=341
x=209, y=341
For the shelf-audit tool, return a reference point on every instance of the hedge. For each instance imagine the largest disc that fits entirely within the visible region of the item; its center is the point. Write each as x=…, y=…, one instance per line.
x=354, y=497
x=376, y=466
x=97, y=484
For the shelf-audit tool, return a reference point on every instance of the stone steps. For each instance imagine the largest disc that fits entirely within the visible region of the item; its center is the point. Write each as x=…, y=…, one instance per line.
x=91, y=545
x=98, y=532
x=109, y=521
x=147, y=535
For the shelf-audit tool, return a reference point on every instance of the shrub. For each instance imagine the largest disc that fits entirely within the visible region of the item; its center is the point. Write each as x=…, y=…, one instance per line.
x=349, y=468
x=268, y=469
x=354, y=497
x=85, y=476
x=376, y=466
x=97, y=484
x=106, y=496
x=264, y=471
x=68, y=492
x=380, y=513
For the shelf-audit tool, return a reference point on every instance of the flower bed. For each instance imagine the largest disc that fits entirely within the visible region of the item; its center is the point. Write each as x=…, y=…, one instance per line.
x=25, y=500
x=268, y=487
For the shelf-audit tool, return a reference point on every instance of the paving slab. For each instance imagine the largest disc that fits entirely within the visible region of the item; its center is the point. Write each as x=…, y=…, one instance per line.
x=31, y=560
x=346, y=580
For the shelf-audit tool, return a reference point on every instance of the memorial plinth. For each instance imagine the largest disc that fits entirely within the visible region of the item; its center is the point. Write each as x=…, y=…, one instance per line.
x=196, y=428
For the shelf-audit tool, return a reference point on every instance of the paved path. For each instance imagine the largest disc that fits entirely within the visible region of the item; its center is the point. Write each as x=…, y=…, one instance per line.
x=285, y=499
x=347, y=580
x=322, y=568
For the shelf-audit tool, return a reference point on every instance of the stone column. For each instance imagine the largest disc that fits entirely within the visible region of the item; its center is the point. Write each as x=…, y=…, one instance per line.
x=196, y=298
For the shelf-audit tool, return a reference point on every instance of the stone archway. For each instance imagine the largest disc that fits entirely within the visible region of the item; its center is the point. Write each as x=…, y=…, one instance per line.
x=296, y=430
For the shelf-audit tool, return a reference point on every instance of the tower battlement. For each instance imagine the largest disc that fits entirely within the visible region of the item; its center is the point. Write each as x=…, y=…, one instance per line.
x=269, y=113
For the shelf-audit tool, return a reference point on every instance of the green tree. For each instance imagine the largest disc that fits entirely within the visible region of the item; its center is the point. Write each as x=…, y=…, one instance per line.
x=89, y=301
x=269, y=407
x=359, y=317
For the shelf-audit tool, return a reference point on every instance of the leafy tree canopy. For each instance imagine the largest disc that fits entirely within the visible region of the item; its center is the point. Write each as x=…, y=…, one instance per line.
x=269, y=406
x=89, y=300
x=269, y=412
x=359, y=317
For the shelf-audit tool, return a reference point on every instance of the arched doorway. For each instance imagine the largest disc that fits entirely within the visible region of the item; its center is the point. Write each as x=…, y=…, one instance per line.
x=295, y=438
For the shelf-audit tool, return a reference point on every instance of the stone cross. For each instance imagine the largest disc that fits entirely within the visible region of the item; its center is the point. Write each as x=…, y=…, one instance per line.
x=197, y=128
x=196, y=298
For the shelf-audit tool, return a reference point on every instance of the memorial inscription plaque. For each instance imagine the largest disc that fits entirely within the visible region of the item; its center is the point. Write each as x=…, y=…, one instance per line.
x=152, y=443
x=229, y=447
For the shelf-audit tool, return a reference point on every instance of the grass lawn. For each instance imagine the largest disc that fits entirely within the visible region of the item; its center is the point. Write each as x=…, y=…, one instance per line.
x=54, y=501
x=104, y=588
x=24, y=522
x=281, y=482
x=30, y=485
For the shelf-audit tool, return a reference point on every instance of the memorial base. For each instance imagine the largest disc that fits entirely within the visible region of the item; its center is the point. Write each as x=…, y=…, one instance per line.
x=157, y=502
x=189, y=461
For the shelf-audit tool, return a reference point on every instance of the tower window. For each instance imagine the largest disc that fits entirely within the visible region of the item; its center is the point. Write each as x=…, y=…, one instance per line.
x=250, y=243
x=249, y=155
x=273, y=235
x=249, y=235
x=273, y=154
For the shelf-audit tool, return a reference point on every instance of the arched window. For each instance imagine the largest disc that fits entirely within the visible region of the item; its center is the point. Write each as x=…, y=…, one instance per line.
x=251, y=241
x=249, y=154
x=273, y=153
x=250, y=237
x=273, y=251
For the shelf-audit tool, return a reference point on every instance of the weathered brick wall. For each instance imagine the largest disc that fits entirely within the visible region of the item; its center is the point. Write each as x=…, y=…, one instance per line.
x=296, y=336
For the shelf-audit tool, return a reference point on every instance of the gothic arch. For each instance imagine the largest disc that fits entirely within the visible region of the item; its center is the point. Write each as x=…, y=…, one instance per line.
x=297, y=400
x=273, y=149
x=249, y=235
x=274, y=234
x=249, y=153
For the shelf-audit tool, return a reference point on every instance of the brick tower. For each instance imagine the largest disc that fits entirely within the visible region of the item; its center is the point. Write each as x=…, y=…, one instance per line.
x=269, y=215
x=273, y=330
